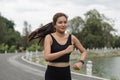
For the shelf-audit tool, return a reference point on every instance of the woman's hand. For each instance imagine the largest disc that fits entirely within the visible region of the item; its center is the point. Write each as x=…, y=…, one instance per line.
x=77, y=66
x=69, y=49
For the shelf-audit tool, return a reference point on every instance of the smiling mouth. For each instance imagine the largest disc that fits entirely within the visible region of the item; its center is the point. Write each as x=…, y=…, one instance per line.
x=62, y=28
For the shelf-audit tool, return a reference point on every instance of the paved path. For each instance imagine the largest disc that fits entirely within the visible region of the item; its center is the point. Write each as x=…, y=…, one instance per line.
x=12, y=67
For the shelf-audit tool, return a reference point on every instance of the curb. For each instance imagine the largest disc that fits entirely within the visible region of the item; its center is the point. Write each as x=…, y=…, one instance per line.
x=32, y=62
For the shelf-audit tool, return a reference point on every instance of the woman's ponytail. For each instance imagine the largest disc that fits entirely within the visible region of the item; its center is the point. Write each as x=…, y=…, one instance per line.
x=40, y=33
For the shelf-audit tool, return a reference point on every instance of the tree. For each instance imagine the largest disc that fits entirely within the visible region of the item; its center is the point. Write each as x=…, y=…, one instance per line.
x=8, y=35
x=26, y=32
x=7, y=23
x=97, y=30
x=6, y=29
x=116, y=41
x=75, y=26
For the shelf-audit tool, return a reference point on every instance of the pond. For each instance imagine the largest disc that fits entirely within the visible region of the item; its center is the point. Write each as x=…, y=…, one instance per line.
x=107, y=67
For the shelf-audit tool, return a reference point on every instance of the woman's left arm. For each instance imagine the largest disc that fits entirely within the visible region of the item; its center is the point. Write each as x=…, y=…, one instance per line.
x=77, y=43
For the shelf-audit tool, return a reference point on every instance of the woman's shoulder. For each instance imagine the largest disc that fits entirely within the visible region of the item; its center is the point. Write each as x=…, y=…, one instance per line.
x=48, y=36
x=73, y=36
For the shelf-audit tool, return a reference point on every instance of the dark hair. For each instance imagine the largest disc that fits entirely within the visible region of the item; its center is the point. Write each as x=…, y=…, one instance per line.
x=46, y=29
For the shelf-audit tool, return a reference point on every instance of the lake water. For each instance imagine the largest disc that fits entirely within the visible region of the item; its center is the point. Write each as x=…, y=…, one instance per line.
x=107, y=67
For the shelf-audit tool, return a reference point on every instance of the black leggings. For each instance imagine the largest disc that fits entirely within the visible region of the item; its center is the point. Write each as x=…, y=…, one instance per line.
x=57, y=73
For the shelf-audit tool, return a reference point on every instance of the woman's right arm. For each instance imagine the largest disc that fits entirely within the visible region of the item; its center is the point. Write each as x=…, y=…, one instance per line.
x=47, y=50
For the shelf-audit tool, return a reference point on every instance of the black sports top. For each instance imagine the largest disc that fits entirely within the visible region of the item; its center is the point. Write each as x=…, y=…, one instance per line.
x=55, y=47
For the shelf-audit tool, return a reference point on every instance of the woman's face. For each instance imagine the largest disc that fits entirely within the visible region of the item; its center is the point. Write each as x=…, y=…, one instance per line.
x=61, y=24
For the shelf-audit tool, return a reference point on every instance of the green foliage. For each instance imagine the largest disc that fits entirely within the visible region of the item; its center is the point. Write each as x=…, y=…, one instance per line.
x=35, y=47
x=116, y=41
x=75, y=25
x=12, y=37
x=95, y=31
x=26, y=32
x=3, y=47
x=6, y=23
x=12, y=48
x=8, y=35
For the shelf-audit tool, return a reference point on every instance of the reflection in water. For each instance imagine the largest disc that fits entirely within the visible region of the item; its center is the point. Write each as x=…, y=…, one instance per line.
x=107, y=67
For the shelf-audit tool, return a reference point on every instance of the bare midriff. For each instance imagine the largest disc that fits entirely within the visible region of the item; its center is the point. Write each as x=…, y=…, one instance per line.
x=60, y=64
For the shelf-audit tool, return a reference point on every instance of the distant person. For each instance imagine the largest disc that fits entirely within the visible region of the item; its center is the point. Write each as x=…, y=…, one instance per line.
x=58, y=46
x=20, y=49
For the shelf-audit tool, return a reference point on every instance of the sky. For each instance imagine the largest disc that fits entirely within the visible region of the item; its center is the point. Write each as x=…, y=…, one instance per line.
x=37, y=12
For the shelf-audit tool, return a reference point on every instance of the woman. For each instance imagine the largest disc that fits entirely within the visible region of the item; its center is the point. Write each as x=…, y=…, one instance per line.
x=58, y=46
